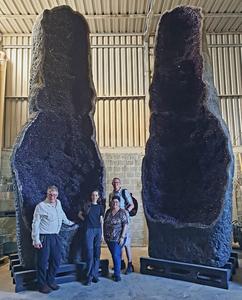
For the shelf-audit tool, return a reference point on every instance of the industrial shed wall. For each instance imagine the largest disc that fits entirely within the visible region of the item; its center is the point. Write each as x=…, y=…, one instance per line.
x=119, y=65
x=122, y=70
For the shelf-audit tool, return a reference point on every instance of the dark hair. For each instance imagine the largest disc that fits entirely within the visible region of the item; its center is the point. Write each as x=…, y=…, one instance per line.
x=95, y=191
x=116, y=197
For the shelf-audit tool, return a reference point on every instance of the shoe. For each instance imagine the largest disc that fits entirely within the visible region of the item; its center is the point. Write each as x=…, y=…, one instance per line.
x=117, y=278
x=129, y=269
x=88, y=282
x=45, y=289
x=123, y=266
x=95, y=279
x=54, y=286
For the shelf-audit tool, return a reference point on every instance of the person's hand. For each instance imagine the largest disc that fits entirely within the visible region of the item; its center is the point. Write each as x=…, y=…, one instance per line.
x=121, y=241
x=38, y=245
x=75, y=226
x=80, y=215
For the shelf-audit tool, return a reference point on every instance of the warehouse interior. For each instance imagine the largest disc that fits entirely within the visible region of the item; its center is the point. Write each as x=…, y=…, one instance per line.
x=122, y=40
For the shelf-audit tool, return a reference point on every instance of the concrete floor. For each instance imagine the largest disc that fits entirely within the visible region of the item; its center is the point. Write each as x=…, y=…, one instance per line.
x=132, y=287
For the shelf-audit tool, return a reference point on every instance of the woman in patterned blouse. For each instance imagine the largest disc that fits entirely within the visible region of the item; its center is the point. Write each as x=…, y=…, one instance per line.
x=115, y=227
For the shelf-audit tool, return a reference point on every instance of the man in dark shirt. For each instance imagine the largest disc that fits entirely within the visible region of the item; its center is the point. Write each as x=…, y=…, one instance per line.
x=92, y=215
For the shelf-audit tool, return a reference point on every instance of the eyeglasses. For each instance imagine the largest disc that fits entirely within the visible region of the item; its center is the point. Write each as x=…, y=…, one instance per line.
x=52, y=195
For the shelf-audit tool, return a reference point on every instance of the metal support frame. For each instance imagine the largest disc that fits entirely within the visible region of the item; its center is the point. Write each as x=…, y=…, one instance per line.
x=92, y=46
x=149, y=20
x=122, y=46
x=101, y=97
x=147, y=85
x=3, y=70
x=119, y=16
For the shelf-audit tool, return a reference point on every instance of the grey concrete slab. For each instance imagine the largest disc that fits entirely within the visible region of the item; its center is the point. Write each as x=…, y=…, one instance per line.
x=132, y=287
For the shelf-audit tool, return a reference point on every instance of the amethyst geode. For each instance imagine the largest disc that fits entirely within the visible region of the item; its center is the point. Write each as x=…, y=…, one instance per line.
x=188, y=165
x=57, y=146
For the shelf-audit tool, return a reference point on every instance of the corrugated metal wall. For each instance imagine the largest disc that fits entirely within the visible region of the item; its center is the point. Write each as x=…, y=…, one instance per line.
x=118, y=74
x=226, y=57
x=118, y=64
x=226, y=54
x=18, y=51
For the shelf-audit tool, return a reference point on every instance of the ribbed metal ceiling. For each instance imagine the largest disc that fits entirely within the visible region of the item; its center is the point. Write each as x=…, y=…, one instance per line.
x=120, y=16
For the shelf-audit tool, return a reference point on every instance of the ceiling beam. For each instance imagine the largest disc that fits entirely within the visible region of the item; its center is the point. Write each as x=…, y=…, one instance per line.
x=107, y=16
x=114, y=34
x=223, y=15
x=91, y=34
x=123, y=16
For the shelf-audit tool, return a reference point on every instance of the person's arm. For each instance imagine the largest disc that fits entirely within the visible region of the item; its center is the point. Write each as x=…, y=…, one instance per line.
x=66, y=221
x=123, y=234
x=101, y=221
x=35, y=228
x=129, y=200
x=102, y=211
x=105, y=222
x=64, y=218
x=110, y=198
x=81, y=215
x=124, y=228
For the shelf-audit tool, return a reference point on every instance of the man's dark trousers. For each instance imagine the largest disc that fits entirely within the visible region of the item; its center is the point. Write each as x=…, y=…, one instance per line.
x=93, y=251
x=48, y=259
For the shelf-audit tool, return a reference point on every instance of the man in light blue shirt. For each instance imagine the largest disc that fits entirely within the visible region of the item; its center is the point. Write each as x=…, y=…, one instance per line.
x=126, y=203
x=46, y=225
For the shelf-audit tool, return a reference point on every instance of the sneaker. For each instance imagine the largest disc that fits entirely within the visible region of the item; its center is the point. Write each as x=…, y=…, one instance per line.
x=117, y=278
x=129, y=269
x=88, y=282
x=54, y=286
x=45, y=289
x=95, y=280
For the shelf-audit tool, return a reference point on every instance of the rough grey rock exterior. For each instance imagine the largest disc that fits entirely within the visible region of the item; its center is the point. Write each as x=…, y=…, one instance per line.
x=57, y=145
x=187, y=170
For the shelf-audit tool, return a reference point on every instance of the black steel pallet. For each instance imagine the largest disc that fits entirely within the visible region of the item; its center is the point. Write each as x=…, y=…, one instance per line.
x=25, y=279
x=201, y=274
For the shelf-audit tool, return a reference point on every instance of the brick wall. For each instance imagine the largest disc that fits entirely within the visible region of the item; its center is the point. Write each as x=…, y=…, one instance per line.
x=5, y=167
x=123, y=163
x=126, y=164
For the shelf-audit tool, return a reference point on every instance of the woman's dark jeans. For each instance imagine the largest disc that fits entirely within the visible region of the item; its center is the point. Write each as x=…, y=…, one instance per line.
x=93, y=245
x=116, y=252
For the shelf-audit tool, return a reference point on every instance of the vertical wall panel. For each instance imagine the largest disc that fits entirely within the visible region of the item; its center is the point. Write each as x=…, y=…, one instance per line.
x=119, y=83
x=113, y=130
x=225, y=51
x=7, y=135
x=118, y=123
